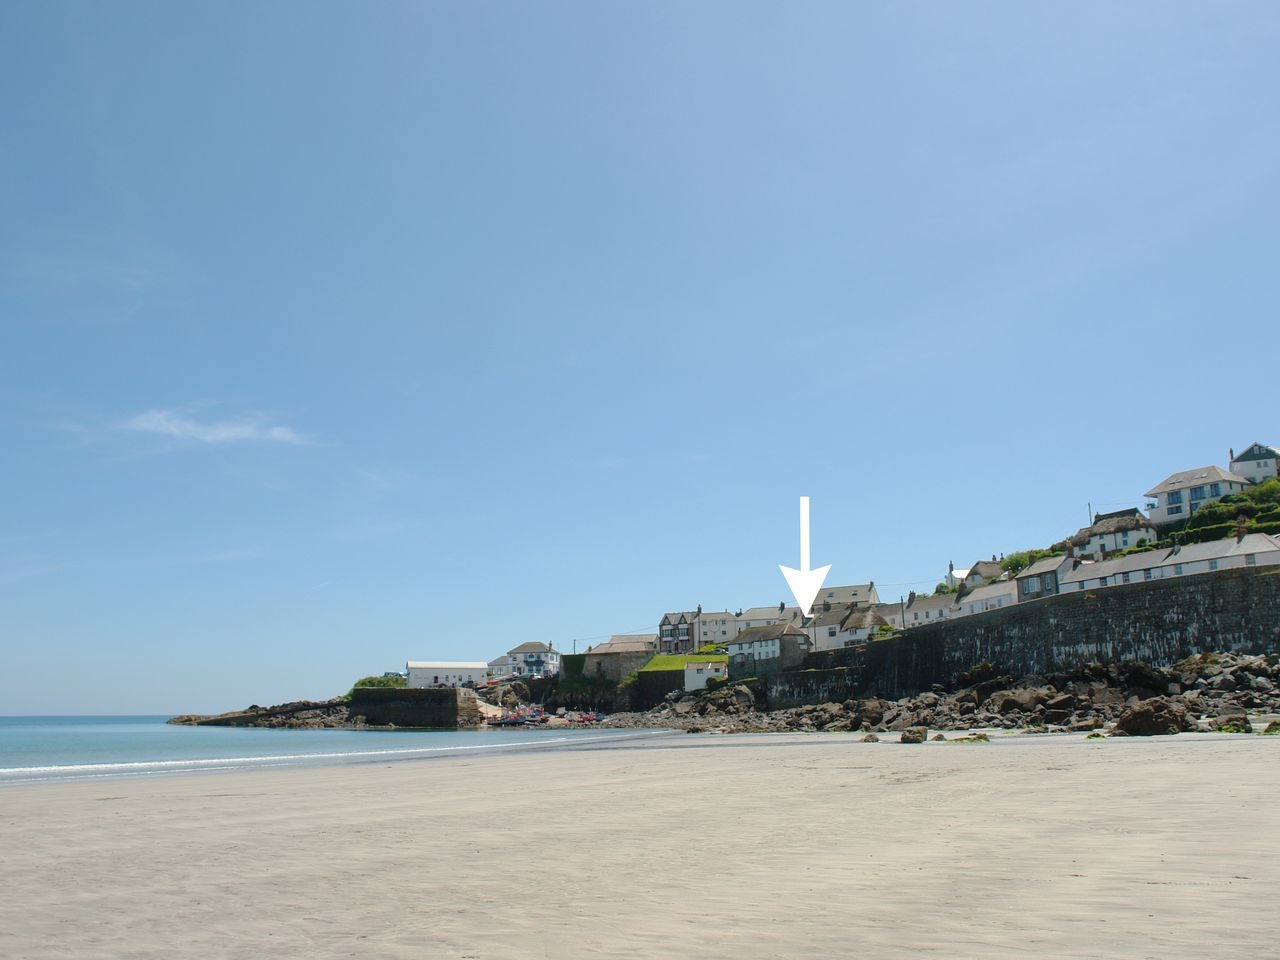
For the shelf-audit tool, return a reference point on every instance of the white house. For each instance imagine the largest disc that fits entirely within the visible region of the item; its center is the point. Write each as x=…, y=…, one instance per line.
x=928, y=609
x=1258, y=463
x=892, y=613
x=500, y=666
x=715, y=627
x=445, y=673
x=766, y=616
x=1113, y=532
x=533, y=659
x=696, y=674
x=993, y=596
x=982, y=571
x=1182, y=494
x=1134, y=568
x=1251, y=550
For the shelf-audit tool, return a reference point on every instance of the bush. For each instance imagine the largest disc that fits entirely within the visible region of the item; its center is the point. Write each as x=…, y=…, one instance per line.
x=396, y=681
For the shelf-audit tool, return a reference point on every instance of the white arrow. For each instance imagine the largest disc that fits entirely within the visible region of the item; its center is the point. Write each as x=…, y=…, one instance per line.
x=804, y=583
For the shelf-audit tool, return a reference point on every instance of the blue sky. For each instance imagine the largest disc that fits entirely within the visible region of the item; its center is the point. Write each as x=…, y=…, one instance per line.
x=334, y=335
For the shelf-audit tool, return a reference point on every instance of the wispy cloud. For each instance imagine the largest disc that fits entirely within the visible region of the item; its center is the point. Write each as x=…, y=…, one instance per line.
x=181, y=426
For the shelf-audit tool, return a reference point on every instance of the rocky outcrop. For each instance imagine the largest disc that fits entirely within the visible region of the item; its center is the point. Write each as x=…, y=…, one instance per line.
x=367, y=707
x=1207, y=692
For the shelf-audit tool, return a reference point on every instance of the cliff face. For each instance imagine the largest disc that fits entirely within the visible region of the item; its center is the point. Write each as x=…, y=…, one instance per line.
x=368, y=707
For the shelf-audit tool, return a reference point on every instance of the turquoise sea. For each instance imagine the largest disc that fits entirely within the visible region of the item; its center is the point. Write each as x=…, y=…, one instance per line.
x=40, y=749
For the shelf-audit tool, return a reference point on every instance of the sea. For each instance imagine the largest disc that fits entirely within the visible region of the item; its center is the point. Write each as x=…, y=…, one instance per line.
x=42, y=749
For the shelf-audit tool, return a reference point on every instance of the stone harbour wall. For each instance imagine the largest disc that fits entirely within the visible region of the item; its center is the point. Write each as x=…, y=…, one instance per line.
x=1158, y=622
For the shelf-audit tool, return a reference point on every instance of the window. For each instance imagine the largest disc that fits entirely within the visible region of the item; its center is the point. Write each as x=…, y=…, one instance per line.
x=1146, y=574
x=1215, y=489
x=1251, y=560
x=831, y=631
x=1125, y=576
x=1124, y=539
x=1175, y=496
x=1102, y=582
x=1197, y=493
x=1177, y=569
x=1213, y=564
x=1172, y=510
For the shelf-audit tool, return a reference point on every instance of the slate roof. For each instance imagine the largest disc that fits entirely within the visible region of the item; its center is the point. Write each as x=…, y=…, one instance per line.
x=627, y=643
x=1193, y=478
x=1111, y=568
x=1047, y=565
x=938, y=601
x=854, y=592
x=533, y=646
x=771, y=613
x=1258, y=451
x=1001, y=588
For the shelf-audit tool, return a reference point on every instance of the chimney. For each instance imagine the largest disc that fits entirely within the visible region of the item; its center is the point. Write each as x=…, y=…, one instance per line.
x=826, y=606
x=782, y=606
x=1071, y=551
x=1242, y=527
x=699, y=609
x=911, y=598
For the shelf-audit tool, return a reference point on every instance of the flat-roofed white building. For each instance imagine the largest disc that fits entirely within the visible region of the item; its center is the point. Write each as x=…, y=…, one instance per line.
x=445, y=673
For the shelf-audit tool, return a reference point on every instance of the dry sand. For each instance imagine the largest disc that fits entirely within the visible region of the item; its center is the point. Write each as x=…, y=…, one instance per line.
x=752, y=846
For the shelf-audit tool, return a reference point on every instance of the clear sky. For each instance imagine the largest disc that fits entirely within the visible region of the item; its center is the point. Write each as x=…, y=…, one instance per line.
x=338, y=334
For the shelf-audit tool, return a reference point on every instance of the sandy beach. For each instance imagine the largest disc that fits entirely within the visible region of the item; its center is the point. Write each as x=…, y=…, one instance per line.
x=689, y=846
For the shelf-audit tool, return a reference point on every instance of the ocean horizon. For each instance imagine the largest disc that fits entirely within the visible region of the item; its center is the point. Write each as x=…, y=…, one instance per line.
x=40, y=749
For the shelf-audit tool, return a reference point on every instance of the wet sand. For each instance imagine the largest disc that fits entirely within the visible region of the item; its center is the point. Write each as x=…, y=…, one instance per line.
x=689, y=846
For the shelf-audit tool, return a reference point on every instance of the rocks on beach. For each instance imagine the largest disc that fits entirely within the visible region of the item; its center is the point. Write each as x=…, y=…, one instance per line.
x=1213, y=691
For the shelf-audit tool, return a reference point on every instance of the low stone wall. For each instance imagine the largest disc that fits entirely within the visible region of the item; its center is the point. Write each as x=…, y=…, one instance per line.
x=440, y=708
x=1159, y=622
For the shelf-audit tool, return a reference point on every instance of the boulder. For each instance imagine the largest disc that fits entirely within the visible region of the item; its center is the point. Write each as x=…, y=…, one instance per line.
x=1157, y=716
x=914, y=735
x=870, y=738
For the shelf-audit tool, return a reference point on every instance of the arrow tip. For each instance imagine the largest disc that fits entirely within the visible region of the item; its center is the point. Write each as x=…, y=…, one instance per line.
x=805, y=585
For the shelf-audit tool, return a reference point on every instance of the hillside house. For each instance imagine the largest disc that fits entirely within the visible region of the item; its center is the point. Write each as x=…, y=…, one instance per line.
x=891, y=612
x=858, y=594
x=929, y=609
x=860, y=625
x=533, y=659
x=1179, y=496
x=767, y=616
x=1113, y=532
x=983, y=571
x=1258, y=463
x=715, y=627
x=1249, y=550
x=992, y=596
x=764, y=650
x=677, y=631
x=1041, y=579
x=618, y=656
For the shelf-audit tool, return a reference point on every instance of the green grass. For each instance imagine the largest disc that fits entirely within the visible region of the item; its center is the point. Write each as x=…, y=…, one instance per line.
x=677, y=661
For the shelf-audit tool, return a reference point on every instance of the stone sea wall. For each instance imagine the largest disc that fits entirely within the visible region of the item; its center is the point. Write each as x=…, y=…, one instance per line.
x=1158, y=622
